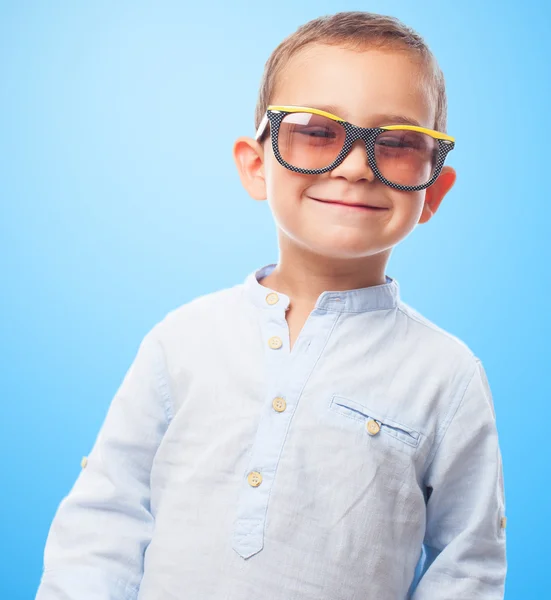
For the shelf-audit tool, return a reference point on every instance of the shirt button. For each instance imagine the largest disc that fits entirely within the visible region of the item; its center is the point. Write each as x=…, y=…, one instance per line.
x=254, y=478
x=373, y=427
x=279, y=404
x=84, y=462
x=275, y=342
x=272, y=298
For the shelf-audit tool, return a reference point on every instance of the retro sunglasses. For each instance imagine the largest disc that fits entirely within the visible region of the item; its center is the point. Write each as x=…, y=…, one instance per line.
x=312, y=141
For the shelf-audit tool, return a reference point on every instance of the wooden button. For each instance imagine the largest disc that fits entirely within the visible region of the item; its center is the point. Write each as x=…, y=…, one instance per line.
x=373, y=427
x=275, y=342
x=254, y=478
x=279, y=404
x=272, y=298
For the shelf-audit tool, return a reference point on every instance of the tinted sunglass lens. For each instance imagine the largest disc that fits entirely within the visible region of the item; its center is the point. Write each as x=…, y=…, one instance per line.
x=310, y=141
x=406, y=157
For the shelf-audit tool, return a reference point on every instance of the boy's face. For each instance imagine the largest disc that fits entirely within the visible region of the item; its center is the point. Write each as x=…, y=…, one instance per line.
x=366, y=88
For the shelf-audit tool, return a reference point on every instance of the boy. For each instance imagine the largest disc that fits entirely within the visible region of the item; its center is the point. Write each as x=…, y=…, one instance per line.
x=305, y=435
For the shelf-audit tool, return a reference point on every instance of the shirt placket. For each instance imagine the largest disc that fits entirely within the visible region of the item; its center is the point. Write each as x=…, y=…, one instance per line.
x=286, y=375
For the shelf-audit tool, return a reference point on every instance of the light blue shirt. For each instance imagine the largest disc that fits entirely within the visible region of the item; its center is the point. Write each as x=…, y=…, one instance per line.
x=362, y=464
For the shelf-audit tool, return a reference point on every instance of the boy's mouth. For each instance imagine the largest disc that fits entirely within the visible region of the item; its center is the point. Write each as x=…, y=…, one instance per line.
x=351, y=205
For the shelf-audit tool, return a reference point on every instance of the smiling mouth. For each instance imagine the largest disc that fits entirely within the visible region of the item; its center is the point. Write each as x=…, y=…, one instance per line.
x=352, y=206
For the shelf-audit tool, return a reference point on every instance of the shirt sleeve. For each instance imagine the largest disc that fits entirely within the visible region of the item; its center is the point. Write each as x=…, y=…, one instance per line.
x=465, y=530
x=96, y=543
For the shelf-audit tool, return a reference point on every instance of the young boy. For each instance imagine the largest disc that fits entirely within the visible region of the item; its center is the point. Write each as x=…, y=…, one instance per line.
x=305, y=435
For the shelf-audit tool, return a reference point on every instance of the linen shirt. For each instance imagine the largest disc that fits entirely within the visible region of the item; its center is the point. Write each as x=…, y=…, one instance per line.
x=361, y=464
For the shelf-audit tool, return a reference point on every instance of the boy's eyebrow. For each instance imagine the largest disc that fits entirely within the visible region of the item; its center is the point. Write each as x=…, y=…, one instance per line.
x=380, y=119
x=395, y=120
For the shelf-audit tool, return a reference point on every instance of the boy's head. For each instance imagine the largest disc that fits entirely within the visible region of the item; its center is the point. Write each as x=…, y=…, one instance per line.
x=372, y=72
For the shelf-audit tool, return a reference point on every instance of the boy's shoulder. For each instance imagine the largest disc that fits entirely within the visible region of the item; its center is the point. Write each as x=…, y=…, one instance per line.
x=437, y=343
x=200, y=311
x=204, y=303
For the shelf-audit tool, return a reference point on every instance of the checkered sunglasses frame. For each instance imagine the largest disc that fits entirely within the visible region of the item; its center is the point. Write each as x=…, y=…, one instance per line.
x=275, y=114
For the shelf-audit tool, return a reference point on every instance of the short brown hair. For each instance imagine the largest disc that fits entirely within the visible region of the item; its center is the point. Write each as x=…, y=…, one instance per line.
x=356, y=30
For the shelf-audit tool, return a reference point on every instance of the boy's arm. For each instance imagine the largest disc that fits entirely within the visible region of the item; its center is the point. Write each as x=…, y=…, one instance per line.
x=96, y=543
x=466, y=505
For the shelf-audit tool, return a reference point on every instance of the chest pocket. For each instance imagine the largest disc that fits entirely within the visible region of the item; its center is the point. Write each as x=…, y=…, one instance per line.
x=374, y=425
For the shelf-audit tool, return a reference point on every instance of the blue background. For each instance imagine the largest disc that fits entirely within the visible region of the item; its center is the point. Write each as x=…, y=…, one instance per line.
x=120, y=201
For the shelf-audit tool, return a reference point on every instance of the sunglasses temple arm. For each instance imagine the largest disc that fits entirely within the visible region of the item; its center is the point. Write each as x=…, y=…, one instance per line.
x=261, y=128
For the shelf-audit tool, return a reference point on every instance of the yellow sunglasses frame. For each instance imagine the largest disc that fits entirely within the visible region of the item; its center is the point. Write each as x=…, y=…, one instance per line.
x=264, y=123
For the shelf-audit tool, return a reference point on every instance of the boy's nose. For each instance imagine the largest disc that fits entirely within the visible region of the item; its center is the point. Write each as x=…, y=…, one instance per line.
x=356, y=165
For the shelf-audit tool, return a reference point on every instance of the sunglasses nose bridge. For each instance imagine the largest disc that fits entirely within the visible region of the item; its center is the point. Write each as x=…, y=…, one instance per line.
x=357, y=136
x=366, y=136
x=360, y=133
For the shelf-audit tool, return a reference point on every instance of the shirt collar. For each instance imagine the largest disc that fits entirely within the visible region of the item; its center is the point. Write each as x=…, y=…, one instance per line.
x=376, y=297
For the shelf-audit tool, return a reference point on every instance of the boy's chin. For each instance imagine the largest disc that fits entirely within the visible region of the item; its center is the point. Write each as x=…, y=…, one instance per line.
x=340, y=251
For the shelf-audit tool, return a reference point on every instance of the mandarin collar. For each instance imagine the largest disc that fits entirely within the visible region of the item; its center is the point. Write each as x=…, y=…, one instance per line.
x=376, y=297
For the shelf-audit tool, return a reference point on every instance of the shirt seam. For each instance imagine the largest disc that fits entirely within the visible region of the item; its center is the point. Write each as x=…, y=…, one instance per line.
x=359, y=311
x=434, y=328
x=450, y=416
x=161, y=370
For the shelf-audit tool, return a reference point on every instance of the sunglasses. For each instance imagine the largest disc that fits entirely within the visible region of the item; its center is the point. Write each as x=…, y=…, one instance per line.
x=312, y=141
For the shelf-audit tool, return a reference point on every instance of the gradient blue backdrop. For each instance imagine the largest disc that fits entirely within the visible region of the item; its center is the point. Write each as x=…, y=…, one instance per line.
x=115, y=209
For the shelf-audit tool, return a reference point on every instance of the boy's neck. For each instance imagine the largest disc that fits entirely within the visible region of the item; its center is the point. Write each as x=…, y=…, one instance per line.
x=303, y=276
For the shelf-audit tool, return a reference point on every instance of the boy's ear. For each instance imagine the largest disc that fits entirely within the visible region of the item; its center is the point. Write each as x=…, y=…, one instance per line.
x=249, y=159
x=436, y=192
